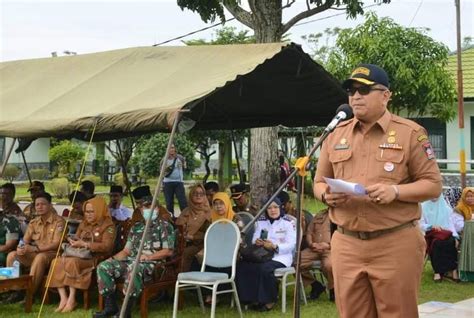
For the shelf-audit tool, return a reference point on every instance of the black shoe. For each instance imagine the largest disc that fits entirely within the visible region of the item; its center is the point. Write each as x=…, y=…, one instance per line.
x=128, y=309
x=110, y=307
x=332, y=297
x=316, y=289
x=15, y=297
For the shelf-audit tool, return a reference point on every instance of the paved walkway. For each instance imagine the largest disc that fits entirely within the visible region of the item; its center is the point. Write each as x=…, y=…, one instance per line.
x=436, y=309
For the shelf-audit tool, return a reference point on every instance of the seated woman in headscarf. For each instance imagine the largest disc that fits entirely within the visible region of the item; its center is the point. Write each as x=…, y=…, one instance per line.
x=195, y=219
x=464, y=208
x=96, y=232
x=256, y=282
x=221, y=209
x=441, y=237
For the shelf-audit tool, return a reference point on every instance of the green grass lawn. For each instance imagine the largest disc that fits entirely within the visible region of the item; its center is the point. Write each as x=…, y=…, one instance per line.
x=445, y=291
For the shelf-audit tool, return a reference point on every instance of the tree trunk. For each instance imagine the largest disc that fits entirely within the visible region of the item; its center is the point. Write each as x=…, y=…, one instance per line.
x=264, y=176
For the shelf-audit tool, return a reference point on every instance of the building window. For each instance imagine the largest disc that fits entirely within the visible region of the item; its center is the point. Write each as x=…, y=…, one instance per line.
x=437, y=135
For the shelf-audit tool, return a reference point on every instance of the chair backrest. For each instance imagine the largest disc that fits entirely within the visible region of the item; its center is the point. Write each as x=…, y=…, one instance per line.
x=246, y=218
x=221, y=244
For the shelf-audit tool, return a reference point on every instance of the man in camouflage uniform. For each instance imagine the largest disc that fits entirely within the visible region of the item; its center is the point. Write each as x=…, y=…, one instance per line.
x=9, y=235
x=159, y=245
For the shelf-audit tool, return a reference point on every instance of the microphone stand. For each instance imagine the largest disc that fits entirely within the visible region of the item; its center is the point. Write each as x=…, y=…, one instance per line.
x=296, y=307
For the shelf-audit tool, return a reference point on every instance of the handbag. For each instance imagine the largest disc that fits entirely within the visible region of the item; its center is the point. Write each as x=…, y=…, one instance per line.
x=169, y=169
x=256, y=254
x=79, y=252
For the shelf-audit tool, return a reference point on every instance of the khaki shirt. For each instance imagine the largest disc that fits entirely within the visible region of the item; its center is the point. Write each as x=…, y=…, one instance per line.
x=319, y=230
x=194, y=224
x=48, y=232
x=394, y=151
x=100, y=235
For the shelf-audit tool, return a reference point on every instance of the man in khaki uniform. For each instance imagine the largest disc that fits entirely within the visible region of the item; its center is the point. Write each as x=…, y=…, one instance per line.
x=377, y=251
x=241, y=199
x=318, y=238
x=41, y=240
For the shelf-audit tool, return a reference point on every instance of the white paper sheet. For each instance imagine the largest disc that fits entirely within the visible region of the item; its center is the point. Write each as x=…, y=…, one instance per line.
x=338, y=185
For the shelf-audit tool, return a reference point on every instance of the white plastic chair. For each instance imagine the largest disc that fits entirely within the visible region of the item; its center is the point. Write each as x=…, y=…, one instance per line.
x=221, y=244
x=283, y=273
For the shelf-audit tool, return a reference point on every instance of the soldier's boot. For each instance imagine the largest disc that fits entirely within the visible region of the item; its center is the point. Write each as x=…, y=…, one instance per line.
x=128, y=309
x=110, y=307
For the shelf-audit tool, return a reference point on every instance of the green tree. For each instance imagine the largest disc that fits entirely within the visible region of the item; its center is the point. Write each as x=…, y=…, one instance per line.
x=202, y=139
x=66, y=154
x=265, y=17
x=415, y=63
x=151, y=149
x=122, y=151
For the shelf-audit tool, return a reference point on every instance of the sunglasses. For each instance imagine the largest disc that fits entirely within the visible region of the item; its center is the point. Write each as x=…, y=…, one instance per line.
x=363, y=90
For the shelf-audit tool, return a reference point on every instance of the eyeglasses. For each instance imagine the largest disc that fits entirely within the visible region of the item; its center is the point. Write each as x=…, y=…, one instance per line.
x=363, y=90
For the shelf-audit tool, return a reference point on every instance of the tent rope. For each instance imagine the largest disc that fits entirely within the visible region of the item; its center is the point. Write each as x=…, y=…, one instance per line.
x=86, y=155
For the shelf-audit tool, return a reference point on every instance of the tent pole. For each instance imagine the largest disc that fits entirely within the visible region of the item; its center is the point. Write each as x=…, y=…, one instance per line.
x=148, y=221
x=236, y=155
x=4, y=164
x=26, y=167
x=125, y=174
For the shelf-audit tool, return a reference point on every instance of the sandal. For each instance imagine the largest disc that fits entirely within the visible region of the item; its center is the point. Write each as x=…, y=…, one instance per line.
x=437, y=278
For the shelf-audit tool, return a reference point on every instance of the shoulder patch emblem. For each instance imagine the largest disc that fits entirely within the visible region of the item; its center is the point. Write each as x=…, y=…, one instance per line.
x=422, y=137
x=428, y=149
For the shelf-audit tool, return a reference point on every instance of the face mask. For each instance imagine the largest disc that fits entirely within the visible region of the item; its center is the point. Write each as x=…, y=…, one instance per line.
x=148, y=212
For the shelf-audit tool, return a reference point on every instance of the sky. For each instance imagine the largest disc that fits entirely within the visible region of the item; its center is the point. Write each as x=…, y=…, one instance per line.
x=35, y=28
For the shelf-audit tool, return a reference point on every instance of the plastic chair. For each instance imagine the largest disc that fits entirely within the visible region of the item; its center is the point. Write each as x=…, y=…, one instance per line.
x=317, y=272
x=221, y=244
x=282, y=274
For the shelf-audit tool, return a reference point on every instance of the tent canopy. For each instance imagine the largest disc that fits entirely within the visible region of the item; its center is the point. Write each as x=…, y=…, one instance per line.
x=138, y=90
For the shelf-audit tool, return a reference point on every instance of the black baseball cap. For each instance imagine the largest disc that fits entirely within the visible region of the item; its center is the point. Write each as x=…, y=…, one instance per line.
x=368, y=74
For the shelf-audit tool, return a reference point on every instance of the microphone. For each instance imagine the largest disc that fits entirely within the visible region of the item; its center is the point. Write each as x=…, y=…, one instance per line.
x=343, y=112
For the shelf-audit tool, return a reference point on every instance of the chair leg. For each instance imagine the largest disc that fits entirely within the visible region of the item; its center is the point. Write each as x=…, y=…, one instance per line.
x=303, y=293
x=201, y=301
x=214, y=300
x=144, y=304
x=85, y=297
x=175, y=301
x=236, y=297
x=283, y=293
x=100, y=302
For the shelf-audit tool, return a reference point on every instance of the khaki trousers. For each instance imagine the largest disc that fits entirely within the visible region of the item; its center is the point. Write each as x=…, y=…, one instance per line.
x=37, y=262
x=378, y=277
x=307, y=259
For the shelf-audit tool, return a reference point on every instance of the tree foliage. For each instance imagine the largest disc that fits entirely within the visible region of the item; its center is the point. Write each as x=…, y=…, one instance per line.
x=265, y=18
x=415, y=63
x=225, y=35
x=11, y=172
x=66, y=154
x=151, y=149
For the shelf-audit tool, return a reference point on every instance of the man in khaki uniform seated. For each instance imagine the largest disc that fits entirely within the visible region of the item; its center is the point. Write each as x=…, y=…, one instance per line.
x=41, y=240
x=318, y=238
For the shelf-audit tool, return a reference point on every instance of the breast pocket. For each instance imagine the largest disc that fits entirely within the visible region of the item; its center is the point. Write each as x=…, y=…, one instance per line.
x=390, y=164
x=341, y=164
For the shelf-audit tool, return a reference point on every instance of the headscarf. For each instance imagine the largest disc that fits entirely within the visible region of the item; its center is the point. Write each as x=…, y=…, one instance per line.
x=195, y=208
x=453, y=195
x=463, y=208
x=436, y=212
x=282, y=211
x=229, y=214
x=100, y=208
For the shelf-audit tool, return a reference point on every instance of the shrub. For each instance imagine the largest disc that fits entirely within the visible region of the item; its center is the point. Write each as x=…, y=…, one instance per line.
x=66, y=154
x=93, y=178
x=11, y=172
x=60, y=187
x=39, y=174
x=118, y=179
